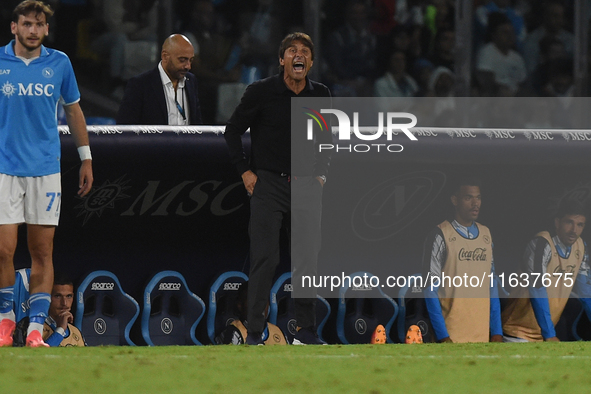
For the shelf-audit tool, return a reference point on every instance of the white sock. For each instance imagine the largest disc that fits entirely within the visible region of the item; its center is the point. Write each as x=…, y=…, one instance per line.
x=33, y=327
x=7, y=315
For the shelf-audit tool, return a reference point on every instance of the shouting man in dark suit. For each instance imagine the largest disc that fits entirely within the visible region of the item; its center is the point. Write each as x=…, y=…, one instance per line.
x=166, y=95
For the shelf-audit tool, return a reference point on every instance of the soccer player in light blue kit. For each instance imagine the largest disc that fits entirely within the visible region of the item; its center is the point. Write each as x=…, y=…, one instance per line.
x=33, y=79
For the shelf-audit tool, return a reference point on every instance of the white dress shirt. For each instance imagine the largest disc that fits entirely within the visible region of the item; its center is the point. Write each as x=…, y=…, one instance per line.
x=175, y=117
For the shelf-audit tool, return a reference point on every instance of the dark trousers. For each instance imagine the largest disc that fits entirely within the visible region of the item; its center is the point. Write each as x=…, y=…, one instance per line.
x=270, y=209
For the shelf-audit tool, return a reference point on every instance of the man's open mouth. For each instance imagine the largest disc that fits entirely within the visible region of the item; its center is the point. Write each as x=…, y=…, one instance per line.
x=298, y=66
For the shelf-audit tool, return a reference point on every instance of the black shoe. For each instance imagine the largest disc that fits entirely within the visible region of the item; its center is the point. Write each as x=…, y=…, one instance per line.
x=255, y=340
x=307, y=336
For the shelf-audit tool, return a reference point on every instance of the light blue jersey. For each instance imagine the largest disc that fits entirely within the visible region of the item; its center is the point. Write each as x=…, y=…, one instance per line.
x=29, y=95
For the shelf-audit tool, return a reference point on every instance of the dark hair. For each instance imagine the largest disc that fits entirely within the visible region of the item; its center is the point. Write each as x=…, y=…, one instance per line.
x=28, y=6
x=466, y=181
x=570, y=207
x=61, y=279
x=289, y=40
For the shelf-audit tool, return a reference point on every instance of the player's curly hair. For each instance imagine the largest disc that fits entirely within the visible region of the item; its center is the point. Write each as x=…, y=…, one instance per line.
x=28, y=6
x=289, y=40
x=570, y=206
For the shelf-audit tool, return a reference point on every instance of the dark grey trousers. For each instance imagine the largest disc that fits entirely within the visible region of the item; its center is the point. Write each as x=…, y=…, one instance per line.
x=270, y=209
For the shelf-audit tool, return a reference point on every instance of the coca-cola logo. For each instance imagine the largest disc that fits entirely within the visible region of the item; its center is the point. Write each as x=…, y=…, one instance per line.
x=478, y=254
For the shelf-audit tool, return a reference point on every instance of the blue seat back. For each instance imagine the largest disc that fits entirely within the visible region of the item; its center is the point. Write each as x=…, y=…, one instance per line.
x=222, y=299
x=105, y=313
x=170, y=312
x=580, y=320
x=413, y=311
x=357, y=318
x=282, y=308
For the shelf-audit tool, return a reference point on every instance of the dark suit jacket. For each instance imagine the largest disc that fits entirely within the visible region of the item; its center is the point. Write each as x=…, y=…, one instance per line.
x=144, y=102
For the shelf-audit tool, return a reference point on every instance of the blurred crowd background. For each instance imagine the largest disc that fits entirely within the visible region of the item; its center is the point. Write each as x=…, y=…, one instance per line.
x=382, y=48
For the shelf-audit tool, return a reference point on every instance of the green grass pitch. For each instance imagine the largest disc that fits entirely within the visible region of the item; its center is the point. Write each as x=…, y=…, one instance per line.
x=426, y=368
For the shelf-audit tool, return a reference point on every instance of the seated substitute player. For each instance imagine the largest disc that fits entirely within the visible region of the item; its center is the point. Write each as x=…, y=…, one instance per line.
x=457, y=248
x=532, y=312
x=34, y=80
x=236, y=332
x=58, y=329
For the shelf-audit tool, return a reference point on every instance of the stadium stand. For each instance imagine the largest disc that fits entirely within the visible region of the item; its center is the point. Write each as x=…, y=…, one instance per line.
x=170, y=312
x=222, y=298
x=282, y=308
x=105, y=313
x=357, y=318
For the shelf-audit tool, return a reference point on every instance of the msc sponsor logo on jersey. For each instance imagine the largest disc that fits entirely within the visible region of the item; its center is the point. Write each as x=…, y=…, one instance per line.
x=4, y=72
x=32, y=89
x=232, y=286
x=169, y=286
x=103, y=286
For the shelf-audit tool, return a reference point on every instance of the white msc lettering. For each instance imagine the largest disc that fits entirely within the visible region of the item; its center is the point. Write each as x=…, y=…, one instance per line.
x=37, y=89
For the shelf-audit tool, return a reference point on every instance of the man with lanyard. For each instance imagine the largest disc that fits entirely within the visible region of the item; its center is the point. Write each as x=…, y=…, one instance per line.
x=33, y=79
x=462, y=248
x=269, y=180
x=167, y=94
x=554, y=265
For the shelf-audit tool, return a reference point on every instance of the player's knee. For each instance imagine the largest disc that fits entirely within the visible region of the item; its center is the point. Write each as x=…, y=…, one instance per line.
x=41, y=255
x=7, y=252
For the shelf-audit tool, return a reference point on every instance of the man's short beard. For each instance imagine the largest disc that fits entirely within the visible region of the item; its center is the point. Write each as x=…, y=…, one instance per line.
x=28, y=47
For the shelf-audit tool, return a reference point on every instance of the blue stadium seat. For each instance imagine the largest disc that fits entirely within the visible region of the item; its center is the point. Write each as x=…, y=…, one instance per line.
x=171, y=311
x=105, y=313
x=413, y=311
x=580, y=320
x=357, y=318
x=222, y=299
x=282, y=308
x=573, y=324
